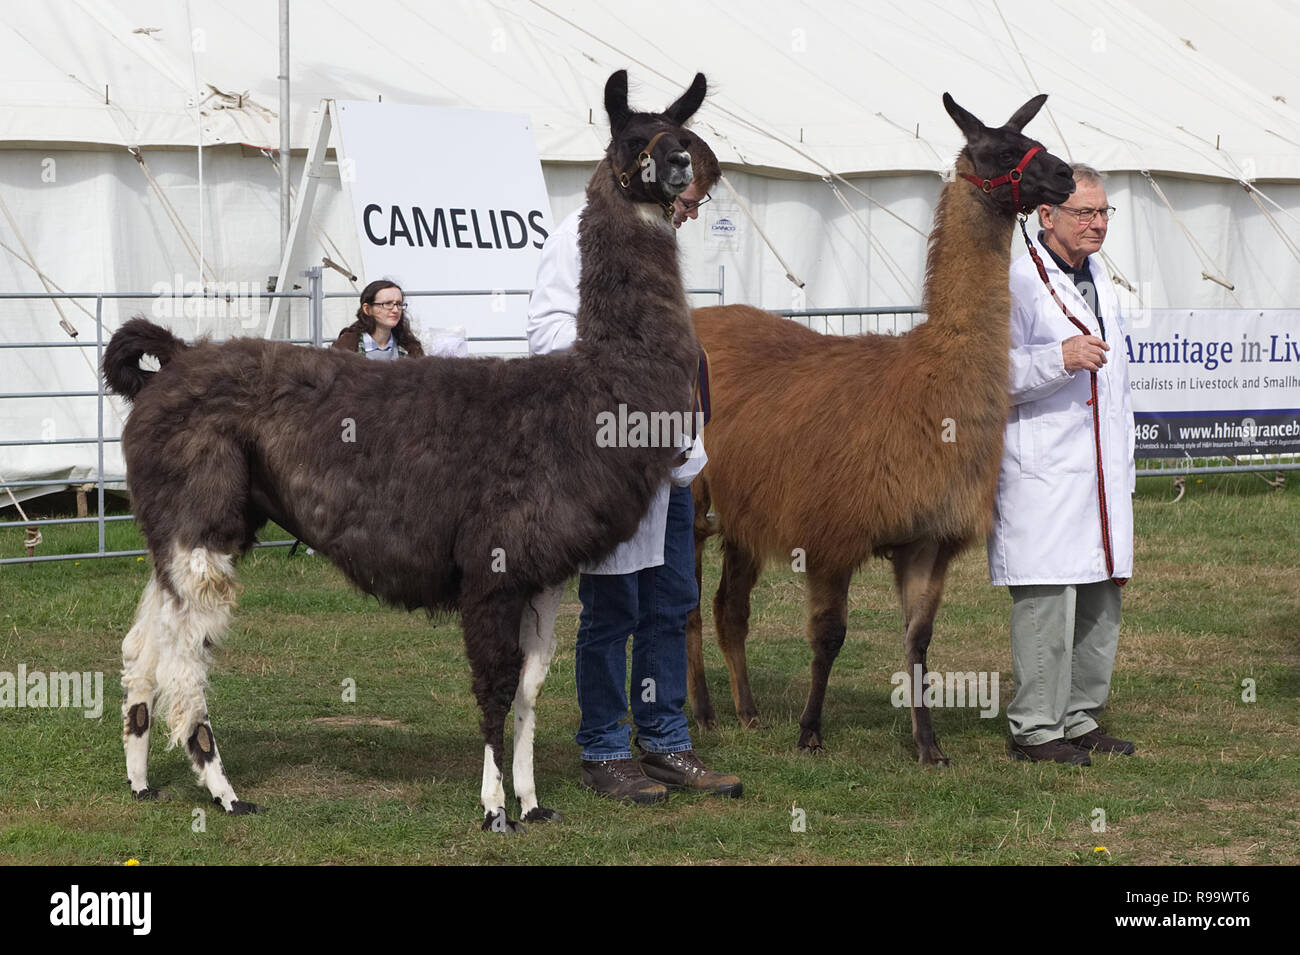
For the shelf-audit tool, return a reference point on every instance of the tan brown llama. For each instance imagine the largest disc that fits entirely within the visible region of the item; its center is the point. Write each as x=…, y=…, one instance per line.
x=848, y=447
x=470, y=485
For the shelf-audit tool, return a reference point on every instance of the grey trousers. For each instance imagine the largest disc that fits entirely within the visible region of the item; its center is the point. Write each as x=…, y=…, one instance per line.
x=1063, y=640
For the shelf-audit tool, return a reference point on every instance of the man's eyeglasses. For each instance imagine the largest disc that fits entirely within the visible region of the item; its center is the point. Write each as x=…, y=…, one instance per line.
x=1085, y=216
x=400, y=306
x=689, y=204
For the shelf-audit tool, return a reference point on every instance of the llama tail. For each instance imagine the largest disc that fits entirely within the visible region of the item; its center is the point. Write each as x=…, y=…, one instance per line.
x=137, y=337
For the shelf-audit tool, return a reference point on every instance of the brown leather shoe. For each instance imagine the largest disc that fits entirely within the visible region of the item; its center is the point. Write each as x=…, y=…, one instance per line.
x=685, y=771
x=1096, y=741
x=1053, y=751
x=623, y=780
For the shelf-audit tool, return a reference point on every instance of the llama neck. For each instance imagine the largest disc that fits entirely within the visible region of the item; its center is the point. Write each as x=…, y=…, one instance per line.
x=966, y=288
x=632, y=300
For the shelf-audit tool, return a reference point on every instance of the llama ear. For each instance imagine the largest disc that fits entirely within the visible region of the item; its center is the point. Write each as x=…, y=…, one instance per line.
x=616, y=99
x=967, y=122
x=689, y=102
x=1027, y=112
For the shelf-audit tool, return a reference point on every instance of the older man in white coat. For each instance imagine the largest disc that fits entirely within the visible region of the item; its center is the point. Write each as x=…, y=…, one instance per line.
x=645, y=587
x=1062, y=535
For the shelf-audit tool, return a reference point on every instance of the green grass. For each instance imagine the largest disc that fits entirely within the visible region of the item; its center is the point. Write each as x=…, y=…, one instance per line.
x=394, y=777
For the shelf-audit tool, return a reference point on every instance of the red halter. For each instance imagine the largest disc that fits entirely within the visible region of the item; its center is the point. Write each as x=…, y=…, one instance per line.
x=1012, y=177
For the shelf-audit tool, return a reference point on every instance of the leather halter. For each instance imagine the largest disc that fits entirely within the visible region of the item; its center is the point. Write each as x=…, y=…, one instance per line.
x=642, y=160
x=1013, y=176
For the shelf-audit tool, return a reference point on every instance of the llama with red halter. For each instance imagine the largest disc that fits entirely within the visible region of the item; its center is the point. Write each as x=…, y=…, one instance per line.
x=836, y=445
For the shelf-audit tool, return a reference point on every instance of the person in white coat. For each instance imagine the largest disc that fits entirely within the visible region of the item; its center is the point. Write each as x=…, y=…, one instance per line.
x=645, y=587
x=1062, y=537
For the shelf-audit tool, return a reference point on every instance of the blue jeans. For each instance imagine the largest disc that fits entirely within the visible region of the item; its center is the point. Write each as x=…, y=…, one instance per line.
x=651, y=605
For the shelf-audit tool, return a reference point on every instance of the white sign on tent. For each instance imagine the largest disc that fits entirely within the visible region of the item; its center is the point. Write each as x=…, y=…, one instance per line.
x=448, y=200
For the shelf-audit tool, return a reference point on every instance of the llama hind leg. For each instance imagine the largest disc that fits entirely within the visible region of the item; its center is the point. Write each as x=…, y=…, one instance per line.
x=139, y=670
x=492, y=629
x=919, y=572
x=537, y=643
x=828, y=602
x=196, y=616
x=740, y=570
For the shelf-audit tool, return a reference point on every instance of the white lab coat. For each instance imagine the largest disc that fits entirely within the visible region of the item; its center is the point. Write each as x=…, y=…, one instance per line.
x=553, y=327
x=1046, y=519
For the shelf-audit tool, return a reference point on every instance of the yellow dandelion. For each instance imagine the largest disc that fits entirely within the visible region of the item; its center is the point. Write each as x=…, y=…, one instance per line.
x=131, y=862
x=1100, y=849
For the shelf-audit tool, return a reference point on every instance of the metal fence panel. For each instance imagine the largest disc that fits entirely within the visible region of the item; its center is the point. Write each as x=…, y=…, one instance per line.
x=835, y=321
x=313, y=295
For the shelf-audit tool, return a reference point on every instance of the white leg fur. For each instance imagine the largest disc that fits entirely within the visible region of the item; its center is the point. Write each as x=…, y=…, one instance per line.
x=139, y=664
x=537, y=642
x=214, y=777
x=493, y=793
x=192, y=622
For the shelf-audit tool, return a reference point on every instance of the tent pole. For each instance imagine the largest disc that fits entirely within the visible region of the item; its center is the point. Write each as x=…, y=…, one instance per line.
x=284, y=126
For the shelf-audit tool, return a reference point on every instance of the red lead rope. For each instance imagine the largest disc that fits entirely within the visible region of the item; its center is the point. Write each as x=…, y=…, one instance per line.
x=1096, y=414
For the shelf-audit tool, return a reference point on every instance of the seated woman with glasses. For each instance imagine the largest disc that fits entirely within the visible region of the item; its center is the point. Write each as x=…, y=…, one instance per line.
x=382, y=331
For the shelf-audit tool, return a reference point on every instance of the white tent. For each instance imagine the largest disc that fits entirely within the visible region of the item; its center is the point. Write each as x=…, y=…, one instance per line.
x=826, y=115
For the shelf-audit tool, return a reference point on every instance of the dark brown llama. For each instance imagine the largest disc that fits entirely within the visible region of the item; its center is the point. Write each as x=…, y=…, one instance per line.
x=455, y=484
x=870, y=445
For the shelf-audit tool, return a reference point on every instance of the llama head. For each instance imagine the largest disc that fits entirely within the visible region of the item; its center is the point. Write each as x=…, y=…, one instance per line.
x=649, y=152
x=998, y=159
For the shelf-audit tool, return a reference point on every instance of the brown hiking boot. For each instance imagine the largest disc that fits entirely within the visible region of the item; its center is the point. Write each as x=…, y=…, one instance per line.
x=685, y=771
x=1098, y=742
x=623, y=780
x=1053, y=751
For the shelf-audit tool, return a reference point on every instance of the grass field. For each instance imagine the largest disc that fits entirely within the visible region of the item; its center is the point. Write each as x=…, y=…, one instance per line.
x=394, y=776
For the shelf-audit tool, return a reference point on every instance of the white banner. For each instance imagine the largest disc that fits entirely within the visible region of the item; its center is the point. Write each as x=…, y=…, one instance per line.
x=448, y=199
x=1215, y=381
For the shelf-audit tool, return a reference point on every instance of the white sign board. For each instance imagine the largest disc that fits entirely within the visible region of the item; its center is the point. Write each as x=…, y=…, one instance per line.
x=448, y=200
x=1215, y=382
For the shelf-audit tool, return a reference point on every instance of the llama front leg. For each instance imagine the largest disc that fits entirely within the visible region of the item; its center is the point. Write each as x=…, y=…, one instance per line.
x=828, y=617
x=537, y=643
x=919, y=573
x=492, y=628
x=740, y=570
x=139, y=668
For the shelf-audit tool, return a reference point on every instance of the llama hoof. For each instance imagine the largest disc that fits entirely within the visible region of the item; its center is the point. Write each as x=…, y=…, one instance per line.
x=751, y=722
x=241, y=808
x=499, y=822
x=810, y=742
x=152, y=795
x=705, y=716
x=934, y=757
x=542, y=814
